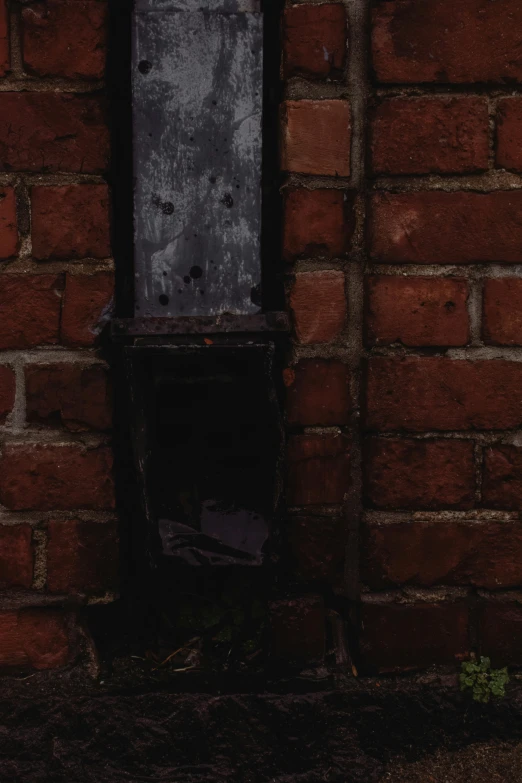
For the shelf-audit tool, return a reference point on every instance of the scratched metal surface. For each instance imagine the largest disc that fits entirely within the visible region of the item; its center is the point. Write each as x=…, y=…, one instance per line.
x=225, y=6
x=197, y=100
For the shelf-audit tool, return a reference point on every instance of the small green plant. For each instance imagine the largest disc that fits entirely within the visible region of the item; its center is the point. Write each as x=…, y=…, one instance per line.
x=483, y=681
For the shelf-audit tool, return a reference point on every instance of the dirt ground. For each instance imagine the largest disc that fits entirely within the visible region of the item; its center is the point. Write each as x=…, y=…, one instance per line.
x=497, y=762
x=69, y=729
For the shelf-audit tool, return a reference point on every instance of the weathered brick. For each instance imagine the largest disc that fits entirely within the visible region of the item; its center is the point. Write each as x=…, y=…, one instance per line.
x=50, y=131
x=30, y=307
x=425, y=311
x=317, y=393
x=445, y=553
x=8, y=226
x=447, y=228
x=70, y=222
x=318, y=305
x=404, y=636
x=441, y=394
x=7, y=392
x=314, y=40
x=430, y=135
x=509, y=134
x=62, y=38
x=317, y=223
x=298, y=629
x=317, y=547
x=81, y=556
x=71, y=395
x=419, y=474
x=86, y=308
x=36, y=638
x=316, y=137
x=4, y=38
x=43, y=477
x=12, y=652
x=502, y=311
x=318, y=469
x=443, y=41
x=16, y=556
x=500, y=633
x=502, y=480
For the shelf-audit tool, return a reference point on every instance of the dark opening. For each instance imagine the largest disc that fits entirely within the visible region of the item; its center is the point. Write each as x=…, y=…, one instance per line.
x=211, y=442
x=214, y=445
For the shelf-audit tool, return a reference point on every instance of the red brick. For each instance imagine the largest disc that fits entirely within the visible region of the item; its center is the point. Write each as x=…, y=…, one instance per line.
x=441, y=394
x=318, y=469
x=7, y=392
x=416, y=311
x=44, y=477
x=447, y=228
x=405, y=636
x=36, y=638
x=318, y=305
x=502, y=312
x=45, y=637
x=430, y=135
x=16, y=556
x=81, y=556
x=70, y=222
x=65, y=38
x=314, y=40
x=500, y=633
x=12, y=652
x=87, y=307
x=298, y=629
x=317, y=223
x=8, y=227
x=71, y=395
x=419, y=474
x=317, y=547
x=443, y=41
x=502, y=481
x=447, y=553
x=30, y=307
x=49, y=131
x=509, y=134
x=316, y=137
x=4, y=38
x=318, y=393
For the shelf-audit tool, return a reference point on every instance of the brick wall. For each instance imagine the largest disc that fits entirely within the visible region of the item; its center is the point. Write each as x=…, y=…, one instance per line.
x=401, y=137
x=58, y=538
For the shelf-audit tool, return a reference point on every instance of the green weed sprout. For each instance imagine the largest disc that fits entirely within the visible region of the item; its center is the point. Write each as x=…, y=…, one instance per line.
x=483, y=681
